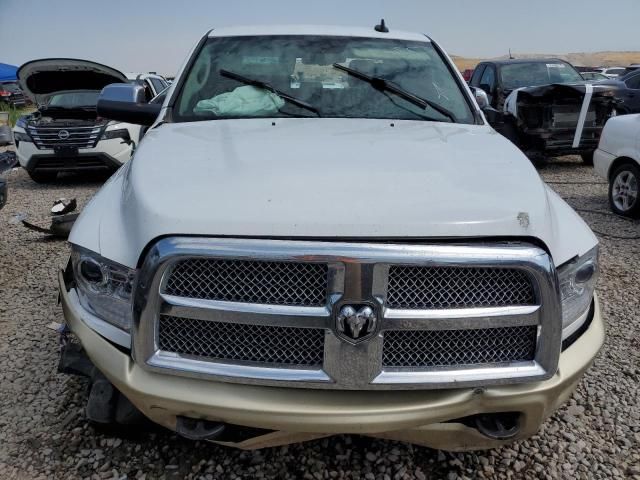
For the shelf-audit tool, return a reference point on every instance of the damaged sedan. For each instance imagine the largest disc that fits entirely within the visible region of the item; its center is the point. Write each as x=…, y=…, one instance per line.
x=66, y=133
x=546, y=106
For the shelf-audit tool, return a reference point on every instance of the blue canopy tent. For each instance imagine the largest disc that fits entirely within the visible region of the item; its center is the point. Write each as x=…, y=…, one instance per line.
x=7, y=72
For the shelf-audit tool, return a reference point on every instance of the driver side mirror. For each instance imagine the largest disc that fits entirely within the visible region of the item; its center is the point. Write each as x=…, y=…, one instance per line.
x=126, y=102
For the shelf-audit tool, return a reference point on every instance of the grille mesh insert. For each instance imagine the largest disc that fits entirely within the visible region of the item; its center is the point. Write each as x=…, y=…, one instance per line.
x=241, y=343
x=414, y=287
x=275, y=283
x=448, y=348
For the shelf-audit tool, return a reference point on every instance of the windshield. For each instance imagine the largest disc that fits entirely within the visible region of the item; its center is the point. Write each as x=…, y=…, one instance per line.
x=517, y=75
x=74, y=99
x=302, y=68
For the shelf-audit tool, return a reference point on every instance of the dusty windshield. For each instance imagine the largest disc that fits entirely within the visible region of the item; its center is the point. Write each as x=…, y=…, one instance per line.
x=302, y=68
x=517, y=75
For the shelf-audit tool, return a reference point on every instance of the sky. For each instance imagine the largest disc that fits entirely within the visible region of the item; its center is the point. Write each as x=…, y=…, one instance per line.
x=143, y=35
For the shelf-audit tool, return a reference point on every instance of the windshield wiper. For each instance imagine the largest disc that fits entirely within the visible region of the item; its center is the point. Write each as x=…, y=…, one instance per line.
x=387, y=86
x=269, y=87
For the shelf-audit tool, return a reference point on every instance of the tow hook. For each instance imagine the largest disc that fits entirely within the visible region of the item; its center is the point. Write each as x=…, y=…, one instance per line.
x=498, y=426
x=198, y=429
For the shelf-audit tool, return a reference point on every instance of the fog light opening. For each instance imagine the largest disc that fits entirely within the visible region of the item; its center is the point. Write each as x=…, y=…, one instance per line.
x=498, y=426
x=197, y=429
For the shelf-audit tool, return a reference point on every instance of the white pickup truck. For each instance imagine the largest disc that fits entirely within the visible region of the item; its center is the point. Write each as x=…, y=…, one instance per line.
x=321, y=234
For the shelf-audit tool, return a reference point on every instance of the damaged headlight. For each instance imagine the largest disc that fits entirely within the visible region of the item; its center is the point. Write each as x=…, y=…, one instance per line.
x=577, y=284
x=104, y=287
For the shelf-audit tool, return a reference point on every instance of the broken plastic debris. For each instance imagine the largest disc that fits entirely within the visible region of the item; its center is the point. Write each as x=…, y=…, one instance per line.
x=60, y=225
x=8, y=160
x=63, y=206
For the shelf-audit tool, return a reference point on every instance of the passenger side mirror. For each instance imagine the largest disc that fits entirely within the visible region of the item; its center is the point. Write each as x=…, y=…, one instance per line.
x=482, y=99
x=126, y=102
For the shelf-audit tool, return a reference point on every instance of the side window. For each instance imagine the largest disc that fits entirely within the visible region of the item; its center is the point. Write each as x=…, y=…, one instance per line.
x=157, y=84
x=148, y=90
x=633, y=82
x=489, y=78
x=477, y=73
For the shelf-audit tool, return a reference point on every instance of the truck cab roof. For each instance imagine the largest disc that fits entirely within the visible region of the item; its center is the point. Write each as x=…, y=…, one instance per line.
x=324, y=30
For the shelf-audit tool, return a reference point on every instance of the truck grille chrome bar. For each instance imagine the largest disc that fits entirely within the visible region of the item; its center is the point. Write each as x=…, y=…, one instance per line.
x=286, y=313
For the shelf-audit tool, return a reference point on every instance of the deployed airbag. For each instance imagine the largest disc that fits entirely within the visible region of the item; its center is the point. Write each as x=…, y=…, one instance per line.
x=242, y=101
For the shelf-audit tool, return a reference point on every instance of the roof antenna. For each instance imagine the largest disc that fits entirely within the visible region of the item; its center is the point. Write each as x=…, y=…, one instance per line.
x=381, y=27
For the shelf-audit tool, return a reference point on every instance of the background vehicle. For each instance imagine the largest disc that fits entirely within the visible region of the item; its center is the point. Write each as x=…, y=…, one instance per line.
x=593, y=76
x=11, y=94
x=323, y=285
x=154, y=84
x=627, y=92
x=541, y=101
x=65, y=133
x=631, y=68
x=617, y=160
x=612, y=72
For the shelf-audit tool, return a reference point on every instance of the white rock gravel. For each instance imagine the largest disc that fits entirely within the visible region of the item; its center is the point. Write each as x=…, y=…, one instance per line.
x=43, y=433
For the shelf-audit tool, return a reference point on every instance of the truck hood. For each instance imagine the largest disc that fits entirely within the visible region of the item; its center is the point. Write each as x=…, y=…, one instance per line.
x=318, y=178
x=40, y=79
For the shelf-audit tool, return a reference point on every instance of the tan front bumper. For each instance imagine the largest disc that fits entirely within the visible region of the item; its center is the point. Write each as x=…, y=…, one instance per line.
x=302, y=414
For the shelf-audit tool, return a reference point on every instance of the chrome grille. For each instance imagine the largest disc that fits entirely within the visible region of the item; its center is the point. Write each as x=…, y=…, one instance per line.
x=264, y=312
x=78, y=137
x=271, y=283
x=241, y=343
x=414, y=287
x=453, y=348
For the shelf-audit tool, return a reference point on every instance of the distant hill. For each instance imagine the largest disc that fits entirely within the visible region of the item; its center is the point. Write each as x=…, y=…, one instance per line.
x=595, y=59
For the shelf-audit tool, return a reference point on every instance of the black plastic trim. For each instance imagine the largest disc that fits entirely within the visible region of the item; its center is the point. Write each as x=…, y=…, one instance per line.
x=571, y=339
x=108, y=162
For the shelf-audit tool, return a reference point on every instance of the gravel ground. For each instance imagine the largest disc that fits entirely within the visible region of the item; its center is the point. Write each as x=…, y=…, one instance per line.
x=43, y=433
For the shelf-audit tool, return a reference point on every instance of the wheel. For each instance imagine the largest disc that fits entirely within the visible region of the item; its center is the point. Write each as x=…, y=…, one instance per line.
x=623, y=191
x=587, y=158
x=43, y=177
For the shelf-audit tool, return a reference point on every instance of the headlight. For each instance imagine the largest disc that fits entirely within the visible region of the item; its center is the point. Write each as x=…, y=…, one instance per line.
x=21, y=137
x=104, y=287
x=117, y=133
x=21, y=122
x=577, y=283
